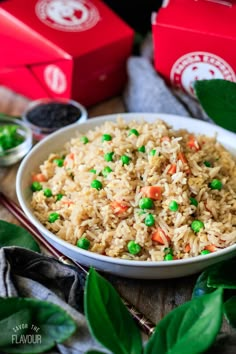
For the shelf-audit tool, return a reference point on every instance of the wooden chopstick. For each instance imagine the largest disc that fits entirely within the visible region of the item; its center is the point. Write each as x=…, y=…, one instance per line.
x=146, y=325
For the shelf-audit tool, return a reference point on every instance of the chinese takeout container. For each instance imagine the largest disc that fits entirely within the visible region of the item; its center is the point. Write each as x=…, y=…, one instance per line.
x=63, y=48
x=195, y=40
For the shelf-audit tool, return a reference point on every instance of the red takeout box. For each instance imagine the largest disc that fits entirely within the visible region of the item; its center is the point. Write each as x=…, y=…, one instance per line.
x=63, y=48
x=195, y=40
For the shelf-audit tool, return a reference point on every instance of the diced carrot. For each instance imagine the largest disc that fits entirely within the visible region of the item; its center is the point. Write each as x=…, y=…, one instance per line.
x=182, y=157
x=153, y=192
x=187, y=248
x=211, y=248
x=39, y=177
x=172, y=169
x=67, y=202
x=165, y=138
x=159, y=236
x=70, y=156
x=193, y=143
x=118, y=207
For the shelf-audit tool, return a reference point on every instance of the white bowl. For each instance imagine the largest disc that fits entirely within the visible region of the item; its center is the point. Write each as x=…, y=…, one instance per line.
x=121, y=267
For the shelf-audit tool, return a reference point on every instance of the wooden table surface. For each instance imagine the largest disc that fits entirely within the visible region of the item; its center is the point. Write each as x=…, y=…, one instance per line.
x=154, y=298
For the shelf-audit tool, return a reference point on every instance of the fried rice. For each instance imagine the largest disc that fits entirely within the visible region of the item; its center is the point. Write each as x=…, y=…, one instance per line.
x=172, y=196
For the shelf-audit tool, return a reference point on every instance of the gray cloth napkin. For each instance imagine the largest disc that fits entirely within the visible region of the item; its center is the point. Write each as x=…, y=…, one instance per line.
x=147, y=92
x=29, y=274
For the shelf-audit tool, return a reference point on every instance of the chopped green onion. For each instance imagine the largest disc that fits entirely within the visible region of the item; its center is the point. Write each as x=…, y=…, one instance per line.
x=9, y=137
x=93, y=171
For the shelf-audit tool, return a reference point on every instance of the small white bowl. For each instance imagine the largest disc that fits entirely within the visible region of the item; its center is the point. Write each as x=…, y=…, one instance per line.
x=117, y=266
x=13, y=155
x=40, y=131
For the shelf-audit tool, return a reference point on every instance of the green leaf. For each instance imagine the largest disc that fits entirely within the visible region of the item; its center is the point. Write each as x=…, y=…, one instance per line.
x=223, y=275
x=13, y=235
x=108, y=319
x=190, y=328
x=47, y=324
x=201, y=288
x=218, y=99
x=6, y=329
x=230, y=311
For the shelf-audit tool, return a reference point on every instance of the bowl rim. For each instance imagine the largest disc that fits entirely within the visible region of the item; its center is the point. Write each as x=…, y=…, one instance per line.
x=92, y=255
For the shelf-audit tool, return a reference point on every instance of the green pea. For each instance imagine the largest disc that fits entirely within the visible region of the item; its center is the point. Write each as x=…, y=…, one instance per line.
x=106, y=137
x=205, y=252
x=193, y=201
x=168, y=257
x=96, y=184
x=59, y=196
x=146, y=203
x=216, y=184
x=36, y=186
x=197, y=225
x=134, y=132
x=125, y=159
x=59, y=162
x=84, y=243
x=173, y=206
x=93, y=171
x=47, y=192
x=84, y=139
x=53, y=217
x=133, y=247
x=207, y=163
x=149, y=220
x=106, y=171
x=152, y=152
x=108, y=156
x=142, y=148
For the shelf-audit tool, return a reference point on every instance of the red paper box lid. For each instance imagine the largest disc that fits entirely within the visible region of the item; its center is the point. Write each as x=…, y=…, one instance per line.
x=37, y=31
x=214, y=17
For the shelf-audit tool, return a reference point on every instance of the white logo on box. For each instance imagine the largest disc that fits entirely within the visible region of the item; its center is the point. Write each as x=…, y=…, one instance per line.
x=67, y=15
x=199, y=66
x=55, y=78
